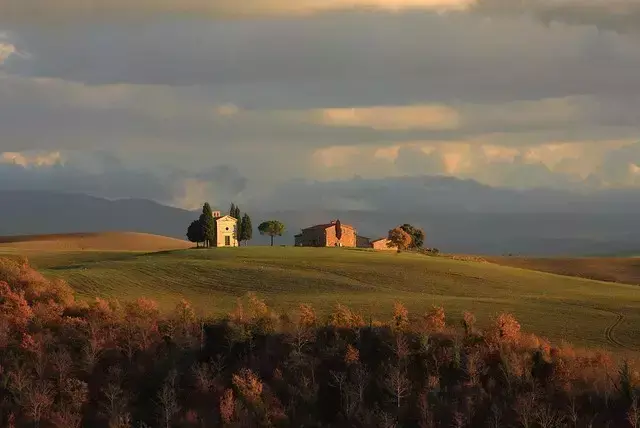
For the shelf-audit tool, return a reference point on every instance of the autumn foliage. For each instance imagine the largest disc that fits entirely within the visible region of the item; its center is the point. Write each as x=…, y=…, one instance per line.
x=106, y=364
x=399, y=239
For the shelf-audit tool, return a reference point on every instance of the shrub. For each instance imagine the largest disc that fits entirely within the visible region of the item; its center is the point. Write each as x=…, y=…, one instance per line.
x=435, y=319
x=248, y=385
x=400, y=316
x=505, y=328
x=343, y=317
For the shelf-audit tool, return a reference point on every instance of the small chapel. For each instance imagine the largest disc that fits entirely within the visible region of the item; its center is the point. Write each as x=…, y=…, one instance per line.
x=226, y=230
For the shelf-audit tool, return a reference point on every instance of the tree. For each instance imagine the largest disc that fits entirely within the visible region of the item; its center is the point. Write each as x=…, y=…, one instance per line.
x=195, y=232
x=271, y=228
x=234, y=212
x=338, y=230
x=399, y=238
x=208, y=225
x=246, y=229
x=417, y=235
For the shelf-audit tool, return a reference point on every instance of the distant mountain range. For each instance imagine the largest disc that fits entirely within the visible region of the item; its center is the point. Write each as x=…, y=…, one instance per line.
x=457, y=215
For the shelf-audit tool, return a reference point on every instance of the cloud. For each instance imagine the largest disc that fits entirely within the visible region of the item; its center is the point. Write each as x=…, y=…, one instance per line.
x=220, y=184
x=227, y=110
x=340, y=60
x=392, y=117
x=69, y=9
x=617, y=15
x=573, y=165
x=106, y=175
x=503, y=100
x=31, y=159
x=6, y=50
x=162, y=127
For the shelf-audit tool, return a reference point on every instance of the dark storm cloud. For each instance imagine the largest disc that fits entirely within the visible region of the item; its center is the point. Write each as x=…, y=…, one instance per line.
x=341, y=60
x=202, y=89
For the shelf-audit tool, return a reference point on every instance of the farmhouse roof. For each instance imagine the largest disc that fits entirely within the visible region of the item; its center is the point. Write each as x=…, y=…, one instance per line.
x=379, y=239
x=326, y=226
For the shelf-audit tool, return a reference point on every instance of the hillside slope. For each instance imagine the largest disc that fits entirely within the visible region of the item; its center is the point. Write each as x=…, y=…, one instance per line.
x=107, y=241
x=624, y=270
x=581, y=311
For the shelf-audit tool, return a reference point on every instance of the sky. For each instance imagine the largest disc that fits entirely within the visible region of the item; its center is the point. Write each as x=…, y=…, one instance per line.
x=182, y=101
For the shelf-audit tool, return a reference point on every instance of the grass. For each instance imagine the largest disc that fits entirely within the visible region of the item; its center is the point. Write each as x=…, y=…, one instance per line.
x=584, y=312
x=624, y=270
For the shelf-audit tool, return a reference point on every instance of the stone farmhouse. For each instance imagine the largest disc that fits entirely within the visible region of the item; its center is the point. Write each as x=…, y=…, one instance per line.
x=381, y=244
x=376, y=244
x=226, y=227
x=326, y=235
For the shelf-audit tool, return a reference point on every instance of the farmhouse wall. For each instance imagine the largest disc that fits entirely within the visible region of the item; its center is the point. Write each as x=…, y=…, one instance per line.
x=312, y=238
x=381, y=244
x=325, y=236
x=348, y=238
x=363, y=242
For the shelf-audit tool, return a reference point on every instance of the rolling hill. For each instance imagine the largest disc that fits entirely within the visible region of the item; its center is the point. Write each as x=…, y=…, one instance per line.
x=624, y=270
x=107, y=241
x=582, y=311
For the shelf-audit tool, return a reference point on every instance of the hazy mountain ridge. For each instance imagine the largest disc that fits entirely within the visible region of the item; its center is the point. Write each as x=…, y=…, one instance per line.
x=458, y=215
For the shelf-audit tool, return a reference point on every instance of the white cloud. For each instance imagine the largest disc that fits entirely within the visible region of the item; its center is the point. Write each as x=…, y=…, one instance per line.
x=31, y=159
x=391, y=117
x=553, y=163
x=227, y=110
x=6, y=50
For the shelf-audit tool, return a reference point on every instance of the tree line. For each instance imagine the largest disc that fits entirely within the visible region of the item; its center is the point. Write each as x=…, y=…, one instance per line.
x=203, y=230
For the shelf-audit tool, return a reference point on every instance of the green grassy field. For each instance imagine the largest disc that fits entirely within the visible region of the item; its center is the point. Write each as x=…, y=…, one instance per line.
x=584, y=312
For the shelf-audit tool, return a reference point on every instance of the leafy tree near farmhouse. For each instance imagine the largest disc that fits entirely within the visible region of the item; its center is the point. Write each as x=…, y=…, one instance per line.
x=195, y=233
x=208, y=225
x=271, y=228
x=246, y=229
x=399, y=238
x=417, y=235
